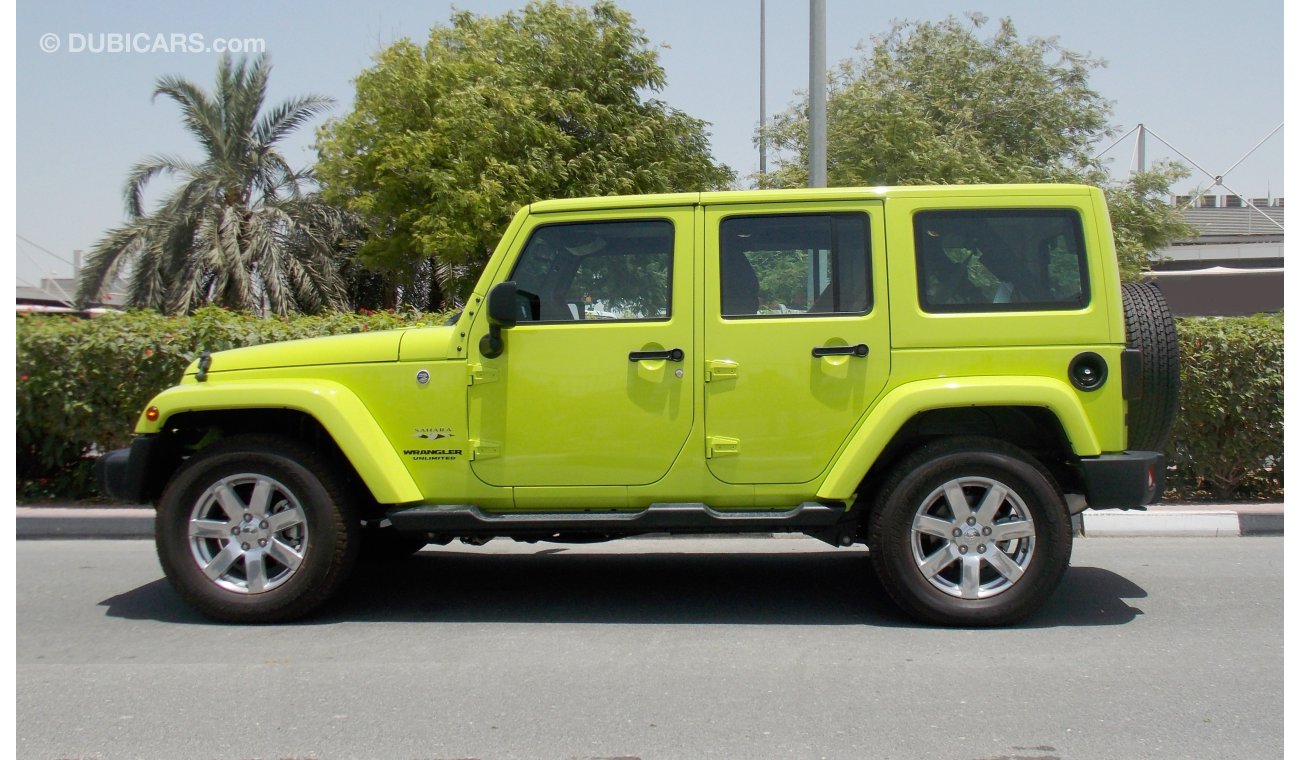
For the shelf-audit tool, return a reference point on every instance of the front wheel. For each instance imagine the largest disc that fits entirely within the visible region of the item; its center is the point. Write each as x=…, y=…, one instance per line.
x=970, y=532
x=255, y=529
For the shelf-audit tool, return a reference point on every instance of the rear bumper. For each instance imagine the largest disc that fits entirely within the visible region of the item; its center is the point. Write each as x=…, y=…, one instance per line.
x=1123, y=481
x=122, y=473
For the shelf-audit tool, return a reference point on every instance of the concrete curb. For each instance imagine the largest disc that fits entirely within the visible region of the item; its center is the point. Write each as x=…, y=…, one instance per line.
x=1163, y=520
x=84, y=522
x=1186, y=520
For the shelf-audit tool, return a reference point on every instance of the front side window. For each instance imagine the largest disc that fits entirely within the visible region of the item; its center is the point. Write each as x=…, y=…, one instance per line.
x=599, y=270
x=976, y=260
x=794, y=265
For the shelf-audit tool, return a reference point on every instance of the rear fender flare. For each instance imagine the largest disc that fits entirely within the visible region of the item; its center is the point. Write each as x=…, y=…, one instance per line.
x=910, y=399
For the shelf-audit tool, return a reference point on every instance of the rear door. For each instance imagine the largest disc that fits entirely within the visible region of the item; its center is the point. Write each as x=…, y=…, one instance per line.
x=796, y=334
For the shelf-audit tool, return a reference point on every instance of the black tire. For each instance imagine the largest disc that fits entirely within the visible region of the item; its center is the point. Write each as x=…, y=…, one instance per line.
x=289, y=558
x=923, y=569
x=1150, y=328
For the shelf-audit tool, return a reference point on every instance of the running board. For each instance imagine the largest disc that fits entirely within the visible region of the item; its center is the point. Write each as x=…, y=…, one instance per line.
x=468, y=519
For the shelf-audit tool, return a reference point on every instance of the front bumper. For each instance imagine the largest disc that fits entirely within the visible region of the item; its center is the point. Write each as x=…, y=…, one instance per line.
x=1123, y=481
x=122, y=473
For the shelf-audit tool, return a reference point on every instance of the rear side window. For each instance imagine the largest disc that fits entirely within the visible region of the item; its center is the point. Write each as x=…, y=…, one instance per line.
x=794, y=265
x=976, y=260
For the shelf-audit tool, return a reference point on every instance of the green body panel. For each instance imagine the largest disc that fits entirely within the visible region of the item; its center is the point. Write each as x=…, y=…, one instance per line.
x=427, y=344
x=336, y=349
x=563, y=420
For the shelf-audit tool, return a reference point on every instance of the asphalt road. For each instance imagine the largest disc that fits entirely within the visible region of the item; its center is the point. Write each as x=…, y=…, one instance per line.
x=701, y=648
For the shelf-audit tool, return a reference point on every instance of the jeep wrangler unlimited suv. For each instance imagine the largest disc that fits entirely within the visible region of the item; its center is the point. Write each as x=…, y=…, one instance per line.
x=945, y=374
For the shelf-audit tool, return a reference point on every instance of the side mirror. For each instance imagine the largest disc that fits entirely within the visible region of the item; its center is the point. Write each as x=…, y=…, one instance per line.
x=506, y=305
x=502, y=305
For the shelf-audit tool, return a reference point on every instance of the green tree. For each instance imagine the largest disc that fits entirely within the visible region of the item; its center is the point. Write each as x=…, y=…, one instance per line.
x=448, y=140
x=1142, y=219
x=240, y=229
x=934, y=103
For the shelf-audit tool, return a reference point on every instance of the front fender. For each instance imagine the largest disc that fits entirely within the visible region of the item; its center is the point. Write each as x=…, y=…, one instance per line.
x=908, y=400
x=334, y=406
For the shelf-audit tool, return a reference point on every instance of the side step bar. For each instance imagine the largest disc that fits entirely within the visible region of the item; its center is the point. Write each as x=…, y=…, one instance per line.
x=469, y=520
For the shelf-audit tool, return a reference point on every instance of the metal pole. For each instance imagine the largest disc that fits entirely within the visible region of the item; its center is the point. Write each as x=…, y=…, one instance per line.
x=817, y=93
x=1142, y=148
x=762, y=91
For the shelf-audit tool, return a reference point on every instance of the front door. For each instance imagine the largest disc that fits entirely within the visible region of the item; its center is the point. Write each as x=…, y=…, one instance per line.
x=796, y=335
x=594, y=391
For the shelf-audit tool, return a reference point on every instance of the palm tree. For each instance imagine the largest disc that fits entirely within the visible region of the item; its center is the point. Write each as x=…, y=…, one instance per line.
x=241, y=229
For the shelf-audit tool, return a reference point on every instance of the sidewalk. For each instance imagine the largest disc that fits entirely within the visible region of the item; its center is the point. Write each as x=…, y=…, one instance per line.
x=80, y=521
x=1254, y=519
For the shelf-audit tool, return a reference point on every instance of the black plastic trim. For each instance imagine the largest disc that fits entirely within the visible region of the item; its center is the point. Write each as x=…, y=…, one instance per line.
x=469, y=519
x=1130, y=370
x=121, y=473
x=860, y=350
x=1123, y=481
x=672, y=355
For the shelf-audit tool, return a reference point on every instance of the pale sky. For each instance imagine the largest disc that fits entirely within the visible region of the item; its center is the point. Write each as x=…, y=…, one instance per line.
x=1205, y=76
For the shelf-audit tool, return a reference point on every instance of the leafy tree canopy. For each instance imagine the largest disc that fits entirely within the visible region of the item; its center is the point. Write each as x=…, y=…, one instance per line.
x=936, y=103
x=241, y=228
x=448, y=140
x=1142, y=219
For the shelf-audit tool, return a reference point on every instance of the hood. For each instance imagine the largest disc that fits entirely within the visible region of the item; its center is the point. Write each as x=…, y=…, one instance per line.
x=358, y=348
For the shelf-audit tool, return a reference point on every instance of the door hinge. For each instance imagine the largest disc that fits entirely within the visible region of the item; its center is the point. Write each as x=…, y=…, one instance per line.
x=720, y=369
x=478, y=374
x=483, y=449
x=721, y=446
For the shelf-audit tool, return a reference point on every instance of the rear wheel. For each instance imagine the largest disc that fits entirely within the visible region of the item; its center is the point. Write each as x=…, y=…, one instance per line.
x=970, y=532
x=255, y=529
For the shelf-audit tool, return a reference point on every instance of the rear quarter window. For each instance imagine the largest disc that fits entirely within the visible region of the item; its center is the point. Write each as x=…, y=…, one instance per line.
x=996, y=260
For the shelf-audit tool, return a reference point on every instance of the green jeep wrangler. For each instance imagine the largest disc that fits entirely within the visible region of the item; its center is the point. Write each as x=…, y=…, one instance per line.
x=945, y=374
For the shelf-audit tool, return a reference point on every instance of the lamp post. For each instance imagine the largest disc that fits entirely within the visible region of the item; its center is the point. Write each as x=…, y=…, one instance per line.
x=817, y=93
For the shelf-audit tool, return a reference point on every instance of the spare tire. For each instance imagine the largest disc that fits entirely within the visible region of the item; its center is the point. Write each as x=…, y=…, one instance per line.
x=1149, y=326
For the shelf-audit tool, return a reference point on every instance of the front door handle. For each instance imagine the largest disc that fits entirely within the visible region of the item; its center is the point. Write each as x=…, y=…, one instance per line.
x=672, y=355
x=859, y=350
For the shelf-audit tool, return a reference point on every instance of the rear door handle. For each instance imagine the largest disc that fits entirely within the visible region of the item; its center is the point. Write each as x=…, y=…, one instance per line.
x=672, y=355
x=859, y=350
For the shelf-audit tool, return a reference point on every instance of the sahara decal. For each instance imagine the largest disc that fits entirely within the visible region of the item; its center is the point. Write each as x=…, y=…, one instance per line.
x=434, y=433
x=432, y=454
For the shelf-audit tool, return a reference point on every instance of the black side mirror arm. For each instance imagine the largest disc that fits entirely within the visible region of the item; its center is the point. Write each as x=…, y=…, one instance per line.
x=492, y=345
x=502, y=314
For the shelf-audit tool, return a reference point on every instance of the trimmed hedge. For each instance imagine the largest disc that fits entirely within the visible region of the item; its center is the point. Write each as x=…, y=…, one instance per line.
x=83, y=382
x=1227, y=439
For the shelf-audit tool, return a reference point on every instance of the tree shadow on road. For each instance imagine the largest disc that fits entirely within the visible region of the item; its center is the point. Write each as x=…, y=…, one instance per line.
x=835, y=587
